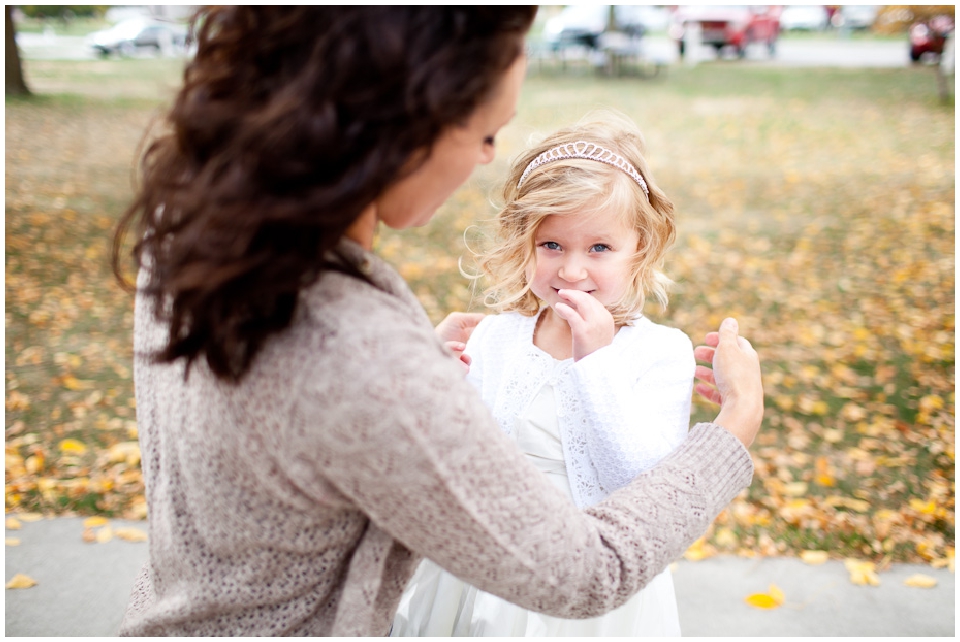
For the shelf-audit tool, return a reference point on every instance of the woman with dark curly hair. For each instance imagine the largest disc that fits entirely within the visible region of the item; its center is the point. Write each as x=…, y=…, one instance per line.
x=306, y=436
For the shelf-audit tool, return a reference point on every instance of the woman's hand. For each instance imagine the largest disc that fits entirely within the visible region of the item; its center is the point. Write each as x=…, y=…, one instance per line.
x=736, y=375
x=591, y=324
x=454, y=331
x=458, y=326
x=457, y=349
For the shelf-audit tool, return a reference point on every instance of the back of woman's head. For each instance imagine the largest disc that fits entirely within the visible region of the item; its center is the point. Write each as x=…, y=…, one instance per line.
x=575, y=187
x=290, y=121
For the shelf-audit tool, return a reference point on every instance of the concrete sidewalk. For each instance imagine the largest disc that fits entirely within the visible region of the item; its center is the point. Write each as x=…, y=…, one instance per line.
x=82, y=590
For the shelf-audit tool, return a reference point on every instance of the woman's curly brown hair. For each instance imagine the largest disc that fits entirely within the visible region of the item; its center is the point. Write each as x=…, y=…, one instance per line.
x=290, y=121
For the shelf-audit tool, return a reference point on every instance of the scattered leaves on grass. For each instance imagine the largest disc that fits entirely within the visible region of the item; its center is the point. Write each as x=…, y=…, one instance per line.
x=946, y=561
x=826, y=227
x=772, y=599
x=20, y=581
x=920, y=580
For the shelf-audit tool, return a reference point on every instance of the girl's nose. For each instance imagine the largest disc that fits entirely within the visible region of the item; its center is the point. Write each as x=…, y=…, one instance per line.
x=572, y=271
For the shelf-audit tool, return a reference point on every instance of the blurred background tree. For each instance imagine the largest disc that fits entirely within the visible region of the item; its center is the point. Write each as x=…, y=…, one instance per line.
x=14, y=84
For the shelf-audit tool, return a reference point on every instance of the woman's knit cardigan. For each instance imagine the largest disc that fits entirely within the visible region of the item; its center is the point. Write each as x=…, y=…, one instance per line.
x=299, y=501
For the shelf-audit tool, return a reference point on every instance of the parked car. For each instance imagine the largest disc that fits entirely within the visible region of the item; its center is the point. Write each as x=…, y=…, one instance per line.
x=855, y=16
x=582, y=24
x=736, y=27
x=804, y=17
x=129, y=36
x=928, y=37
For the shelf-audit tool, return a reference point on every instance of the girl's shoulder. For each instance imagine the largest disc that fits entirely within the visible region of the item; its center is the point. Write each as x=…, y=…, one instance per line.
x=644, y=334
x=505, y=322
x=501, y=328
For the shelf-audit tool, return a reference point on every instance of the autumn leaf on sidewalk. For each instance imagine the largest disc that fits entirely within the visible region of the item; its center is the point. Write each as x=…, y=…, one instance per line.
x=920, y=581
x=814, y=558
x=21, y=581
x=131, y=534
x=862, y=573
x=772, y=599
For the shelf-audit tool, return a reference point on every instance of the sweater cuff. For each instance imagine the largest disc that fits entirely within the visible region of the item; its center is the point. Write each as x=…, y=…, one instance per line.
x=721, y=459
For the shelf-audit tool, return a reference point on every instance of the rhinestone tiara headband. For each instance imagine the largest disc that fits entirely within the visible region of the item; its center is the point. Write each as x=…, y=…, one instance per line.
x=590, y=151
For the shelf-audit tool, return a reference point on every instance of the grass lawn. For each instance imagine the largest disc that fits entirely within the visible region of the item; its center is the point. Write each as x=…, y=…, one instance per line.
x=815, y=205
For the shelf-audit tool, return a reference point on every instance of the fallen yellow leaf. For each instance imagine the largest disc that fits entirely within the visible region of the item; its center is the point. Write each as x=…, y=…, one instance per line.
x=104, y=535
x=21, y=581
x=795, y=489
x=726, y=537
x=30, y=517
x=859, y=505
x=699, y=550
x=814, y=557
x=923, y=507
x=126, y=451
x=862, y=573
x=12, y=541
x=72, y=446
x=920, y=581
x=131, y=534
x=89, y=536
x=72, y=383
x=772, y=599
x=94, y=522
x=13, y=524
x=776, y=594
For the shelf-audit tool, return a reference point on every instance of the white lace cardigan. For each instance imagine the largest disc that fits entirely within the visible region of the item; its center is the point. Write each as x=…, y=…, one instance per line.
x=643, y=380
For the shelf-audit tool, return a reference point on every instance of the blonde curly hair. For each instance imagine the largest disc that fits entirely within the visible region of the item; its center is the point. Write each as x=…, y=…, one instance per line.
x=572, y=187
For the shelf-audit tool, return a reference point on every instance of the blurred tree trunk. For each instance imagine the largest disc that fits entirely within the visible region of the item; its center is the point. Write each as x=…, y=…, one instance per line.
x=15, y=84
x=612, y=18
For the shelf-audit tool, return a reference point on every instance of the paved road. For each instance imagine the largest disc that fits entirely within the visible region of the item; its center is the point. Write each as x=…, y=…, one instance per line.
x=828, y=52
x=83, y=588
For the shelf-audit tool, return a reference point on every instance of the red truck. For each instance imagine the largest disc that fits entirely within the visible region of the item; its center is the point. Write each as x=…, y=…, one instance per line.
x=736, y=27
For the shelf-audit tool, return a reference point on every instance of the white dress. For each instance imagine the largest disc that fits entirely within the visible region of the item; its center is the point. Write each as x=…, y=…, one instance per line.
x=437, y=604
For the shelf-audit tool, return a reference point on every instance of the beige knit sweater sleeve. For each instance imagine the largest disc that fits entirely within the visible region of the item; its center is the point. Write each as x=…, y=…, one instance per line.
x=419, y=453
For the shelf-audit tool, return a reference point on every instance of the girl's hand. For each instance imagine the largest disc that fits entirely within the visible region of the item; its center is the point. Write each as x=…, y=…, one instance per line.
x=590, y=323
x=458, y=326
x=736, y=375
x=457, y=349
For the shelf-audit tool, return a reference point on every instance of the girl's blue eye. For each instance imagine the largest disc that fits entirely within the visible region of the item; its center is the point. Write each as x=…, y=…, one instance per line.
x=600, y=247
x=551, y=245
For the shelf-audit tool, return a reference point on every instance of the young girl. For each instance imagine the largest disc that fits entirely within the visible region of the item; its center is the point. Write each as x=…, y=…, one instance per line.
x=593, y=392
